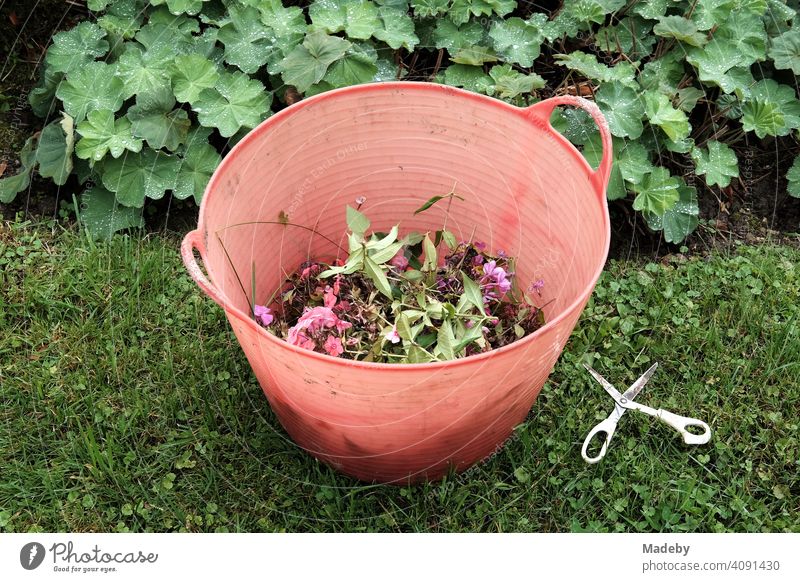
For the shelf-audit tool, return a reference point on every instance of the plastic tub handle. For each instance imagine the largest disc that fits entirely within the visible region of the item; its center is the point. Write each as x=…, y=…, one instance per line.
x=544, y=109
x=191, y=242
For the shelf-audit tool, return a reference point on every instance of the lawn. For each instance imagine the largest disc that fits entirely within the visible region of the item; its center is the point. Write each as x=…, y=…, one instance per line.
x=127, y=405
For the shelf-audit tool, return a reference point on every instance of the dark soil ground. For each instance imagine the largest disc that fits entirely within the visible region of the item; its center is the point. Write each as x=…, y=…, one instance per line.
x=754, y=209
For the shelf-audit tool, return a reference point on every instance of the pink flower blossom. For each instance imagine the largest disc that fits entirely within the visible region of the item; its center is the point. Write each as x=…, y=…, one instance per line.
x=393, y=336
x=399, y=261
x=494, y=279
x=312, y=321
x=263, y=314
x=333, y=346
x=537, y=286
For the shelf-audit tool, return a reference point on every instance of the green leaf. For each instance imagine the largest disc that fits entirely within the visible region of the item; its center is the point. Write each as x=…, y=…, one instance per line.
x=763, y=117
x=43, y=96
x=181, y=6
x=474, y=55
x=717, y=163
x=468, y=77
x=102, y=215
x=248, y=42
x=785, y=51
x=403, y=325
x=101, y=134
x=358, y=18
x=426, y=8
x=10, y=186
x=357, y=222
x=681, y=29
x=54, y=151
x=452, y=37
x=688, y=97
x=663, y=74
x=593, y=152
x=445, y=341
x=630, y=37
x=356, y=67
x=634, y=162
x=588, y=66
x=508, y=83
x=660, y=112
x=793, y=177
x=375, y=272
x=680, y=220
x=473, y=293
x=431, y=258
x=75, y=48
x=745, y=31
x=288, y=23
x=715, y=61
x=308, y=63
x=623, y=108
x=518, y=41
x=651, y=9
x=397, y=30
x=236, y=101
x=142, y=72
x=135, y=176
x=196, y=167
x=709, y=13
x=657, y=193
x=154, y=119
x=91, y=87
x=784, y=99
x=191, y=74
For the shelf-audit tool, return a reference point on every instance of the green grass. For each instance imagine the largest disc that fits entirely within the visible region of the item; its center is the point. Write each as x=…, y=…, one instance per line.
x=128, y=405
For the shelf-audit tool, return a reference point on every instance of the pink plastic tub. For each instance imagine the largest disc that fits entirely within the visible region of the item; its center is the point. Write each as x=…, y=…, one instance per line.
x=528, y=191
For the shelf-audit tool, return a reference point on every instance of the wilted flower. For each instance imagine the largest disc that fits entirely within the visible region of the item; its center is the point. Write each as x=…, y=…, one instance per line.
x=537, y=286
x=393, y=336
x=360, y=200
x=399, y=261
x=333, y=346
x=263, y=314
x=329, y=299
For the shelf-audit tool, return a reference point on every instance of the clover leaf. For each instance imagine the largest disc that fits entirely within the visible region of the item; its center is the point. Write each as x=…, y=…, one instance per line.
x=785, y=51
x=623, y=108
x=236, y=101
x=102, y=215
x=155, y=119
x=718, y=163
x=75, y=48
x=660, y=112
x=518, y=40
x=657, y=193
x=101, y=134
x=308, y=62
x=135, y=176
x=93, y=86
x=196, y=166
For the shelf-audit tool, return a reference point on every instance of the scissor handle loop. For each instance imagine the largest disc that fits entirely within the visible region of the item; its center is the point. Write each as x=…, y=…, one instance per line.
x=608, y=426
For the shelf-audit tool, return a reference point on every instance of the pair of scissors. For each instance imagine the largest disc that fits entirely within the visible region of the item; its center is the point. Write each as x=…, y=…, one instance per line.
x=624, y=402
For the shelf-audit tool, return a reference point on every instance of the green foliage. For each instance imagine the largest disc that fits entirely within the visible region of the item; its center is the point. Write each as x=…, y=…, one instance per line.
x=140, y=78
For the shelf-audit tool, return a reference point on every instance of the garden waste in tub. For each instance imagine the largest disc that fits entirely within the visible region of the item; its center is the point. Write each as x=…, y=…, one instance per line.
x=394, y=301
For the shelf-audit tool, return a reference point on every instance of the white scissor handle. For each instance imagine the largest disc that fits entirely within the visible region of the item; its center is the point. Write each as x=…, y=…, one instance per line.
x=680, y=423
x=608, y=426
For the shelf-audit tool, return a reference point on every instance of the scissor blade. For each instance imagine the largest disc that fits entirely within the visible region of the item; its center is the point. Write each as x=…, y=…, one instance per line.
x=637, y=386
x=607, y=386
